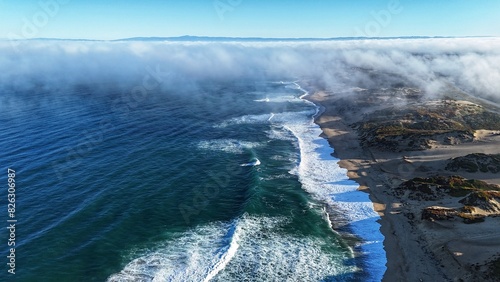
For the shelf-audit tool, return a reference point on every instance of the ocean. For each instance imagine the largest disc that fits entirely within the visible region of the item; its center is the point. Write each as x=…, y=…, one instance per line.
x=228, y=182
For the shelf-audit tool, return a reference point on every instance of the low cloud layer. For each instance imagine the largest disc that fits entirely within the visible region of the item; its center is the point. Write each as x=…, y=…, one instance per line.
x=471, y=64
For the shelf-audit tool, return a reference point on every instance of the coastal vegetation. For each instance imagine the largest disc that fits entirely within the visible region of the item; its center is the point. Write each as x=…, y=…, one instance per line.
x=412, y=128
x=436, y=187
x=475, y=162
x=480, y=199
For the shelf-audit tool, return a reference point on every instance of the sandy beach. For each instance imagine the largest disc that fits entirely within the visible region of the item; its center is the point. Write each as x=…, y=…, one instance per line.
x=417, y=249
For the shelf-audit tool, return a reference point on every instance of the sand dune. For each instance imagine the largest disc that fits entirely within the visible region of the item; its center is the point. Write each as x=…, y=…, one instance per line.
x=417, y=249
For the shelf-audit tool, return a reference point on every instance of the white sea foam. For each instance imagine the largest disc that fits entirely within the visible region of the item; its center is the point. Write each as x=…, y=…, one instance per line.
x=277, y=132
x=281, y=99
x=255, y=162
x=275, y=119
x=246, y=119
x=225, y=258
x=251, y=248
x=268, y=253
x=358, y=89
x=262, y=100
x=196, y=255
x=276, y=176
x=228, y=145
x=321, y=176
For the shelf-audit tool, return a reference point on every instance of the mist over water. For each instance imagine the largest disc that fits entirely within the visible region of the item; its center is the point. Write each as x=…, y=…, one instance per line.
x=199, y=161
x=430, y=64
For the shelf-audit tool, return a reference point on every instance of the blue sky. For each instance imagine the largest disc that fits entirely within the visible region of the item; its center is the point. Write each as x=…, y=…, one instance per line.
x=107, y=19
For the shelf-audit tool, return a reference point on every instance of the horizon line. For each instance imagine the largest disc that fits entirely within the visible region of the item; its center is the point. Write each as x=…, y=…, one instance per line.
x=229, y=38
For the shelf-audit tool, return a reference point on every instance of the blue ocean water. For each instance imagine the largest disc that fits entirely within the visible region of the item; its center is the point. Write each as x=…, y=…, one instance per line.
x=229, y=183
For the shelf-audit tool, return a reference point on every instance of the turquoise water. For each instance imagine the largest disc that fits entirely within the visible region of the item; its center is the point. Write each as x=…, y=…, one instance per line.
x=198, y=186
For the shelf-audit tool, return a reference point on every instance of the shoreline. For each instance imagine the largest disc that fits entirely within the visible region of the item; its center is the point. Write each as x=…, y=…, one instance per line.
x=411, y=255
x=346, y=162
x=352, y=158
x=359, y=229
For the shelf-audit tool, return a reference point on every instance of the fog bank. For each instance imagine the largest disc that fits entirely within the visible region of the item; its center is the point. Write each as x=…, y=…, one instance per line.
x=472, y=64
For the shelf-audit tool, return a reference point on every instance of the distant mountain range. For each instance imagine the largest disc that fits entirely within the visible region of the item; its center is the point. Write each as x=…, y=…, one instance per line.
x=245, y=39
x=258, y=39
